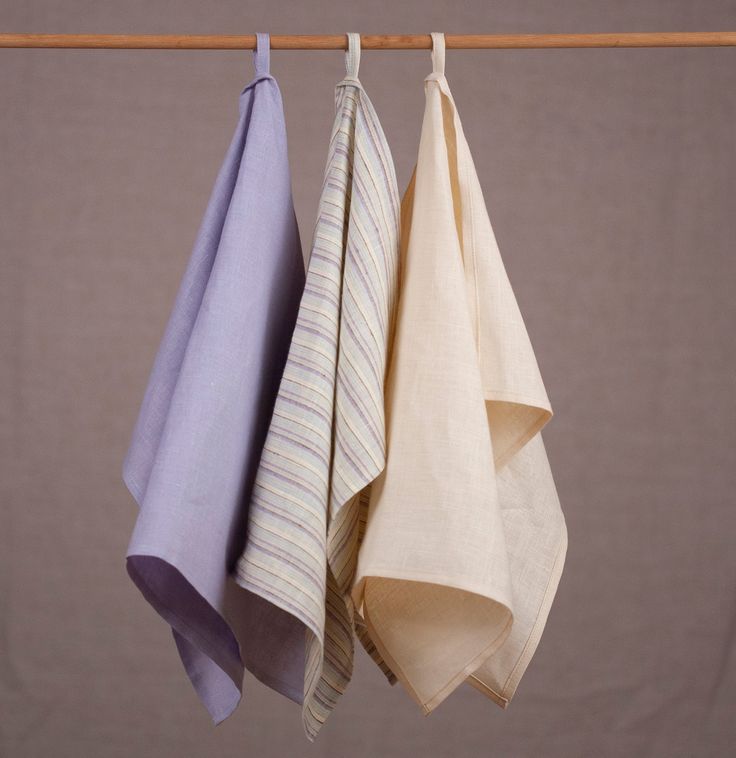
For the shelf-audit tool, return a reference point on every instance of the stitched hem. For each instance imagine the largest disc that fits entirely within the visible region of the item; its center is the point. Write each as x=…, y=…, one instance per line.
x=212, y=649
x=429, y=704
x=512, y=681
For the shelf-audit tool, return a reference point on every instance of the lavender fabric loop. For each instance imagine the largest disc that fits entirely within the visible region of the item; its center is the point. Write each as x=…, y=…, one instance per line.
x=262, y=53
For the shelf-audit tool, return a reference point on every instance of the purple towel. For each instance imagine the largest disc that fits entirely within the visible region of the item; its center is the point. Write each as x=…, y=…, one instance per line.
x=206, y=411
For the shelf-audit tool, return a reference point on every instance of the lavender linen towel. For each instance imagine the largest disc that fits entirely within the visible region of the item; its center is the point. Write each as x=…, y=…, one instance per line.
x=205, y=414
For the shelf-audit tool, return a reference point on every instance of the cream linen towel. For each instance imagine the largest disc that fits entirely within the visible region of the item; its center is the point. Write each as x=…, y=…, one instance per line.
x=326, y=442
x=465, y=539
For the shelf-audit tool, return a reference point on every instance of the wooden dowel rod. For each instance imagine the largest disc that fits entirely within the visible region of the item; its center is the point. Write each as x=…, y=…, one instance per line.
x=368, y=41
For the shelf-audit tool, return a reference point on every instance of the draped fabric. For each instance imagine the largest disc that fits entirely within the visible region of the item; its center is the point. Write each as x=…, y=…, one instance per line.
x=198, y=438
x=326, y=441
x=464, y=540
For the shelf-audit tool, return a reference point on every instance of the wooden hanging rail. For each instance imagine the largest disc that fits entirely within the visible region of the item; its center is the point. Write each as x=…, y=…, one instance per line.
x=368, y=41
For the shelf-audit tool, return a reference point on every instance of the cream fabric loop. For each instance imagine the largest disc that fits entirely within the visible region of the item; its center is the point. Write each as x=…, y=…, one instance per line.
x=352, y=56
x=262, y=53
x=438, y=53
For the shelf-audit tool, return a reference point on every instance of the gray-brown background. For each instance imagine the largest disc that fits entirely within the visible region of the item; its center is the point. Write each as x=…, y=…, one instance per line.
x=610, y=176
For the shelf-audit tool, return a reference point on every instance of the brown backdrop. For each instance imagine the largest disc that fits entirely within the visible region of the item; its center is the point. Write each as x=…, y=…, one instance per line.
x=610, y=177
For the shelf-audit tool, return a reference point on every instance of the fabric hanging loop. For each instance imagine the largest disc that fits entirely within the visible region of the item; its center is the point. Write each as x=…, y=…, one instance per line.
x=262, y=54
x=438, y=53
x=352, y=56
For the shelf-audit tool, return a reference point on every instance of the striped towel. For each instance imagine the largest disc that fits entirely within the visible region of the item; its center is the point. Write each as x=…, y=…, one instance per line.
x=326, y=442
x=465, y=540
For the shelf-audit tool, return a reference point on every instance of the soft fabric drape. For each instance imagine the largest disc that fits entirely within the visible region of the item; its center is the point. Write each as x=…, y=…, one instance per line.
x=205, y=413
x=326, y=442
x=465, y=540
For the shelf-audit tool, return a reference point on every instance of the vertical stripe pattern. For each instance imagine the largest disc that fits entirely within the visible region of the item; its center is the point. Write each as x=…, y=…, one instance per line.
x=326, y=441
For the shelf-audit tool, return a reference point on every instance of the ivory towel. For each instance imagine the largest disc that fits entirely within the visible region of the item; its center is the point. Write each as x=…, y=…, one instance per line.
x=465, y=539
x=205, y=413
x=326, y=442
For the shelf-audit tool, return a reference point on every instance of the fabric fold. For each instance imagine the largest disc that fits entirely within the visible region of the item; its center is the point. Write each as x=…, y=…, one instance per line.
x=205, y=413
x=464, y=537
x=326, y=441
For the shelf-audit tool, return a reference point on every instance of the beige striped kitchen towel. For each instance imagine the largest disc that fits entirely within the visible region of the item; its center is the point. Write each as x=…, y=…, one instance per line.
x=326, y=441
x=465, y=539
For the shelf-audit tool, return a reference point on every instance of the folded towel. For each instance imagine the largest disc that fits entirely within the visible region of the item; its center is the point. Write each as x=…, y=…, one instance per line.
x=326, y=442
x=199, y=434
x=465, y=540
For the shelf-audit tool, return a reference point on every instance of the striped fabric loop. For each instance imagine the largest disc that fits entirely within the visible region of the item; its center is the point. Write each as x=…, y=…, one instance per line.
x=352, y=56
